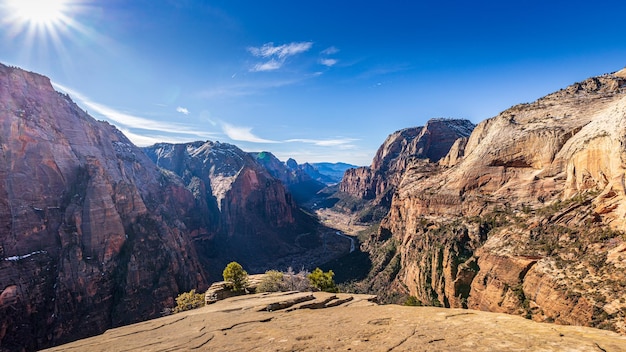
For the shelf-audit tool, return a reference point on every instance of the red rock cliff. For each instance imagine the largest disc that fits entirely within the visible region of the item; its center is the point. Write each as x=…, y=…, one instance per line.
x=89, y=236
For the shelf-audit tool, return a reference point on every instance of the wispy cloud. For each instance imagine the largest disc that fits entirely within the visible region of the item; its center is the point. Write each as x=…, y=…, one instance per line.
x=248, y=88
x=276, y=55
x=281, y=51
x=182, y=110
x=125, y=121
x=267, y=66
x=329, y=62
x=323, y=142
x=331, y=50
x=243, y=134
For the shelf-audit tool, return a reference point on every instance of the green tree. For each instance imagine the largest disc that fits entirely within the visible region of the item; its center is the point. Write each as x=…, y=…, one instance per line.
x=236, y=276
x=189, y=300
x=323, y=280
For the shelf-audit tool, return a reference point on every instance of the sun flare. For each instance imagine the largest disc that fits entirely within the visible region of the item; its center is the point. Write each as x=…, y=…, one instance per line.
x=38, y=12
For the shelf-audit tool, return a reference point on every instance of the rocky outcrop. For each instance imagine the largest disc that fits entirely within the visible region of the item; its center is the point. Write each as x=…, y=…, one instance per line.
x=93, y=235
x=314, y=321
x=373, y=187
x=523, y=215
x=242, y=213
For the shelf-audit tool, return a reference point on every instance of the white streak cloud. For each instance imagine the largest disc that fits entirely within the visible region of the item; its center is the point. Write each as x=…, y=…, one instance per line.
x=125, y=121
x=267, y=66
x=243, y=134
x=323, y=142
x=281, y=51
x=276, y=55
x=182, y=110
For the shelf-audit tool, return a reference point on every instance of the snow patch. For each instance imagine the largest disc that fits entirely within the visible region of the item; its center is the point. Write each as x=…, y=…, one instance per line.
x=20, y=257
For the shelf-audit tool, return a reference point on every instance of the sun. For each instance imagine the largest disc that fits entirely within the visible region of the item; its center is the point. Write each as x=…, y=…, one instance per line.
x=44, y=13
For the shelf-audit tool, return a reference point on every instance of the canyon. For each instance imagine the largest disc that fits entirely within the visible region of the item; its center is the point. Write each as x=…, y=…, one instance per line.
x=98, y=233
x=522, y=214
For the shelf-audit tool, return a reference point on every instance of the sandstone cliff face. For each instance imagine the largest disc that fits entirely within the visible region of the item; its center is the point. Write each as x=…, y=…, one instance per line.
x=527, y=217
x=378, y=182
x=90, y=236
x=299, y=183
x=242, y=213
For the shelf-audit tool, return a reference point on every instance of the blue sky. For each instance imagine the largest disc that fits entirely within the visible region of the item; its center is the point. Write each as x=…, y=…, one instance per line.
x=312, y=80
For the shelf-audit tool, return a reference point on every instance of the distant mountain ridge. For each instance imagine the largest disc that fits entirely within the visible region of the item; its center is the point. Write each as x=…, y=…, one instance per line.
x=329, y=173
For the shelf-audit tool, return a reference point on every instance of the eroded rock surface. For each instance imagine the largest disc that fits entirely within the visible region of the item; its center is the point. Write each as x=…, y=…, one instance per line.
x=526, y=216
x=376, y=184
x=306, y=321
x=92, y=233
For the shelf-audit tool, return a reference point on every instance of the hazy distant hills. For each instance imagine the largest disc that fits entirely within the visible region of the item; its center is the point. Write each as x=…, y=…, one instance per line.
x=328, y=173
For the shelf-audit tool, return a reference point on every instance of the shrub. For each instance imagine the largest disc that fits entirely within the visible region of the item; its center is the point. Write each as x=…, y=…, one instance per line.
x=276, y=281
x=412, y=301
x=188, y=301
x=236, y=276
x=323, y=280
x=272, y=282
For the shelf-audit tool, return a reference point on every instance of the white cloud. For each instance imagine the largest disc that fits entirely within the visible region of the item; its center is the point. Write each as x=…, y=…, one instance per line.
x=277, y=55
x=243, y=134
x=267, y=66
x=182, y=110
x=125, y=121
x=323, y=142
x=329, y=62
x=329, y=51
x=281, y=51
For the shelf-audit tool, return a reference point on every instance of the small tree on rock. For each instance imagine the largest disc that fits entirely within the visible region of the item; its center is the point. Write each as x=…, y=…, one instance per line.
x=236, y=276
x=323, y=280
x=189, y=300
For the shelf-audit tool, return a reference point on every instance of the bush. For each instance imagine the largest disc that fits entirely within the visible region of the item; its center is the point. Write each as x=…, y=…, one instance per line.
x=188, y=301
x=272, y=282
x=412, y=301
x=323, y=281
x=236, y=276
x=276, y=281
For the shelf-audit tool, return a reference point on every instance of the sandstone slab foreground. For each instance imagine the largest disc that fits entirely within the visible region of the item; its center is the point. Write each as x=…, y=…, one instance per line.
x=305, y=321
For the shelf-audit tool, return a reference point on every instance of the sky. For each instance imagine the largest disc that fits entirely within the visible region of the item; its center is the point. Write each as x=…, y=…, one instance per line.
x=311, y=80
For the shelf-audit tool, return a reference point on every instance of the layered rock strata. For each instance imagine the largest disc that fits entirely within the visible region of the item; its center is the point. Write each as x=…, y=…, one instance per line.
x=526, y=216
x=373, y=187
x=92, y=233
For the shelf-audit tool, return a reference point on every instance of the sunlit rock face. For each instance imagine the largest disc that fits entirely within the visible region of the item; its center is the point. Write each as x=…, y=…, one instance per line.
x=241, y=211
x=425, y=145
x=92, y=233
x=526, y=216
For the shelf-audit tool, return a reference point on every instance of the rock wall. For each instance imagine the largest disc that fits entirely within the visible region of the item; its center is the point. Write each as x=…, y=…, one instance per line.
x=523, y=218
x=242, y=212
x=90, y=236
x=375, y=185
